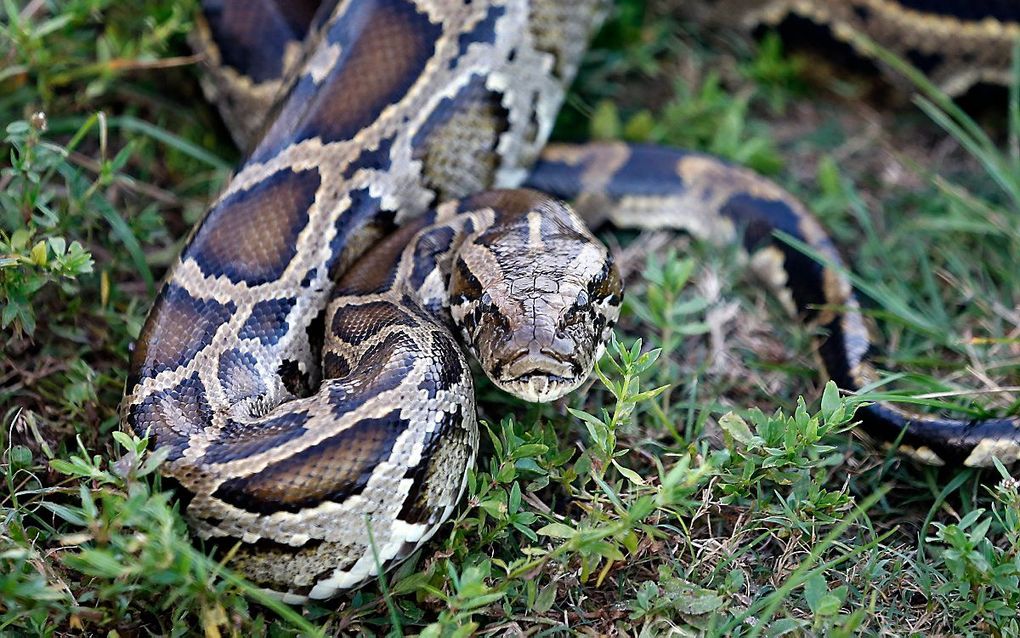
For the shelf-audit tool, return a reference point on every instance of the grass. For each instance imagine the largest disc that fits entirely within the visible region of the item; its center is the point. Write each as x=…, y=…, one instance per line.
x=688, y=490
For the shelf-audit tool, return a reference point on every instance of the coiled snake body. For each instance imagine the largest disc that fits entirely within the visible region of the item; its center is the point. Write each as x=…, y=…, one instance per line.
x=300, y=364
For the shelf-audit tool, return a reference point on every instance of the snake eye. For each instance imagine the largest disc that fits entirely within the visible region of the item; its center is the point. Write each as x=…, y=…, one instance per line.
x=582, y=299
x=485, y=301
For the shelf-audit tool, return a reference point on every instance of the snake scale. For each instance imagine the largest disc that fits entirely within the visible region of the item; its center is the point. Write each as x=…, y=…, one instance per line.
x=303, y=364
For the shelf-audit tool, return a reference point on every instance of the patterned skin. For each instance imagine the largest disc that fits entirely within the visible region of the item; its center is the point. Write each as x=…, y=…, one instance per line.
x=299, y=363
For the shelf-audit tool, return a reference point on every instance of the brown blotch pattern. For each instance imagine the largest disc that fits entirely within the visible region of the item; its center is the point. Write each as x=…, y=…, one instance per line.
x=240, y=440
x=383, y=367
x=368, y=77
x=178, y=326
x=252, y=235
x=252, y=36
x=365, y=79
x=352, y=324
x=331, y=470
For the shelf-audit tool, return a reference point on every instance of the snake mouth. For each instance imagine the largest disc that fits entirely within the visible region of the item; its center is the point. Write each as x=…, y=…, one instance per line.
x=538, y=377
x=529, y=364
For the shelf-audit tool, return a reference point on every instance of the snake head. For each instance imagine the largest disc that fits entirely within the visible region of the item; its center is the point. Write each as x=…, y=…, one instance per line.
x=536, y=296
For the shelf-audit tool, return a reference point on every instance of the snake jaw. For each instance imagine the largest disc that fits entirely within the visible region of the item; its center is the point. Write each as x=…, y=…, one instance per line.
x=539, y=376
x=539, y=386
x=542, y=388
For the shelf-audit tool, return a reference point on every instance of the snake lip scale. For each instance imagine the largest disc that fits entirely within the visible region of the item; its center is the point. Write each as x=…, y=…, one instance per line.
x=304, y=363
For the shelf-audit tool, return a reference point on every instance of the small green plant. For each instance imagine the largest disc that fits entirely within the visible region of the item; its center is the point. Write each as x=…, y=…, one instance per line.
x=620, y=373
x=782, y=450
x=777, y=76
x=823, y=601
x=664, y=305
x=670, y=595
x=33, y=250
x=471, y=596
x=981, y=558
